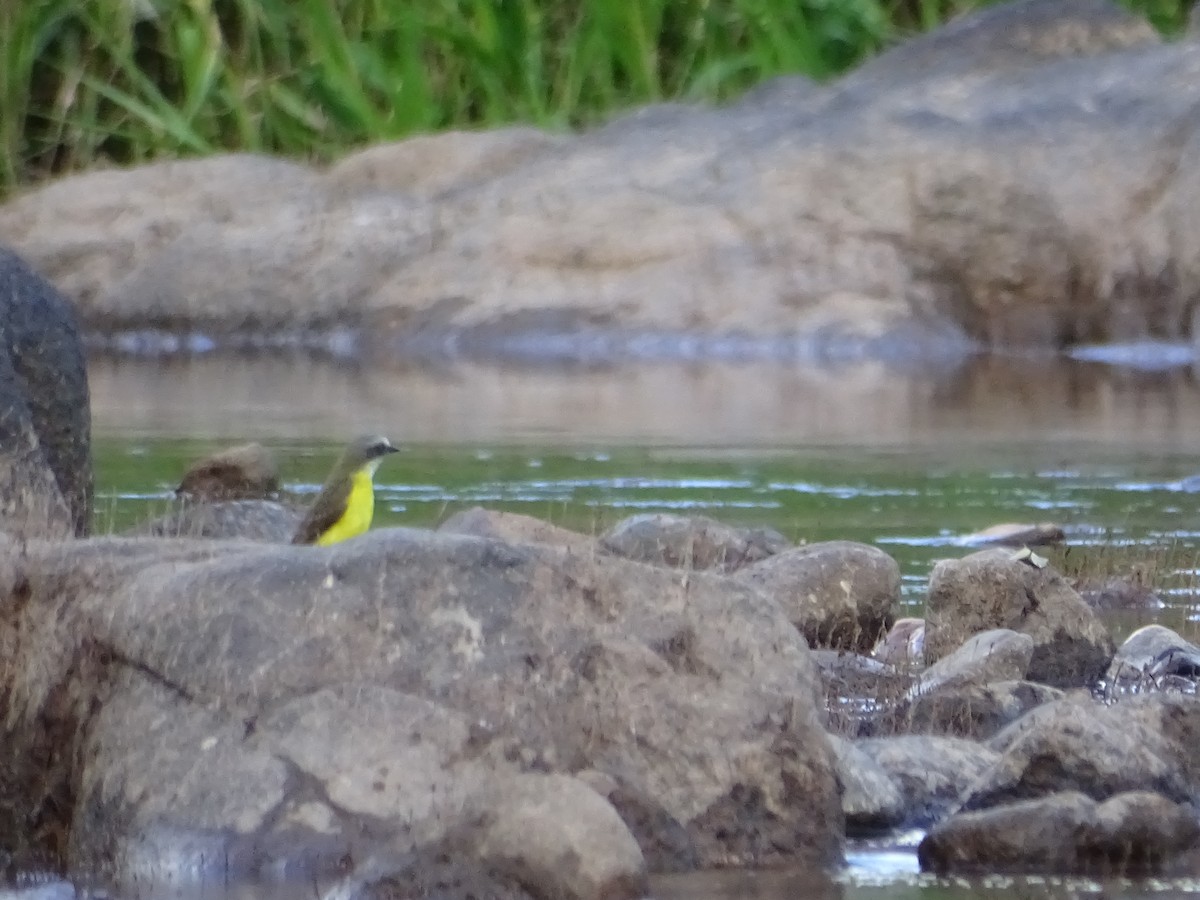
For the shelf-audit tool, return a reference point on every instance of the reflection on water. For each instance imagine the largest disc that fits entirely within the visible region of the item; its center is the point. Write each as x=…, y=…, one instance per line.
x=912, y=462
x=1041, y=400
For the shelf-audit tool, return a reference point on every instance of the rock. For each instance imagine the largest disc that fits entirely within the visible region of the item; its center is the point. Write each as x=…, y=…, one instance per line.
x=514, y=528
x=439, y=871
x=995, y=655
x=972, y=710
x=930, y=772
x=690, y=542
x=904, y=644
x=428, y=165
x=221, y=703
x=45, y=432
x=245, y=472
x=870, y=799
x=1132, y=590
x=1130, y=835
x=983, y=184
x=558, y=838
x=837, y=593
x=254, y=520
x=1153, y=658
x=992, y=589
x=664, y=842
x=1016, y=535
x=1144, y=742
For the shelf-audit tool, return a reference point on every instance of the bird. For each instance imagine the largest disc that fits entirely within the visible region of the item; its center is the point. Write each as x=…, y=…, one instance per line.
x=346, y=504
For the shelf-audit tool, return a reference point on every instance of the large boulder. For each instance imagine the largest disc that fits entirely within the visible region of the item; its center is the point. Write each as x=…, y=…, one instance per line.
x=1001, y=589
x=691, y=542
x=837, y=593
x=1020, y=176
x=1143, y=743
x=219, y=701
x=514, y=528
x=45, y=416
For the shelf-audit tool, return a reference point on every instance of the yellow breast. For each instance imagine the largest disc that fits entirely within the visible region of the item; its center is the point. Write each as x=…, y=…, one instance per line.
x=360, y=508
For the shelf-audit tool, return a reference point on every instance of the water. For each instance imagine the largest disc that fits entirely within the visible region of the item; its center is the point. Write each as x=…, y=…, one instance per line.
x=911, y=461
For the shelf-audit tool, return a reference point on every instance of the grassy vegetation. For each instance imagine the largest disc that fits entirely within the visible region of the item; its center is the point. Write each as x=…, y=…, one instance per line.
x=132, y=80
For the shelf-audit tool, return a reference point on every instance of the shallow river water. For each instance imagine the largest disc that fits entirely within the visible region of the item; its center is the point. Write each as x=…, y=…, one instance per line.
x=910, y=460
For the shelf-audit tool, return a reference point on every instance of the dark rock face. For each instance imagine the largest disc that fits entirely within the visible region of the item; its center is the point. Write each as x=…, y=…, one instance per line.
x=837, y=593
x=1020, y=177
x=1132, y=834
x=45, y=417
x=993, y=589
x=226, y=702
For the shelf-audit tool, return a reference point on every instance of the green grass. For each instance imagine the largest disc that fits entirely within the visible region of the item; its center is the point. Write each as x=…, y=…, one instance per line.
x=125, y=81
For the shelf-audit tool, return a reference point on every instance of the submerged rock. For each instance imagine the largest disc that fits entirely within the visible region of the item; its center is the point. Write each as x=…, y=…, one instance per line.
x=983, y=184
x=231, y=705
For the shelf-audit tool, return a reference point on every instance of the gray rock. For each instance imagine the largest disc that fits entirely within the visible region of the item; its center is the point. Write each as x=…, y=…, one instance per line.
x=1130, y=835
x=665, y=843
x=45, y=428
x=1154, y=658
x=973, y=710
x=986, y=183
x=931, y=772
x=514, y=528
x=691, y=542
x=996, y=655
x=993, y=589
x=1144, y=742
x=255, y=520
x=870, y=799
x=838, y=593
x=219, y=703
x=559, y=838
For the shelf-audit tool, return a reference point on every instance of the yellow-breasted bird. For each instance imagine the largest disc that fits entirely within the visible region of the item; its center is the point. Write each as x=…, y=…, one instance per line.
x=346, y=504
